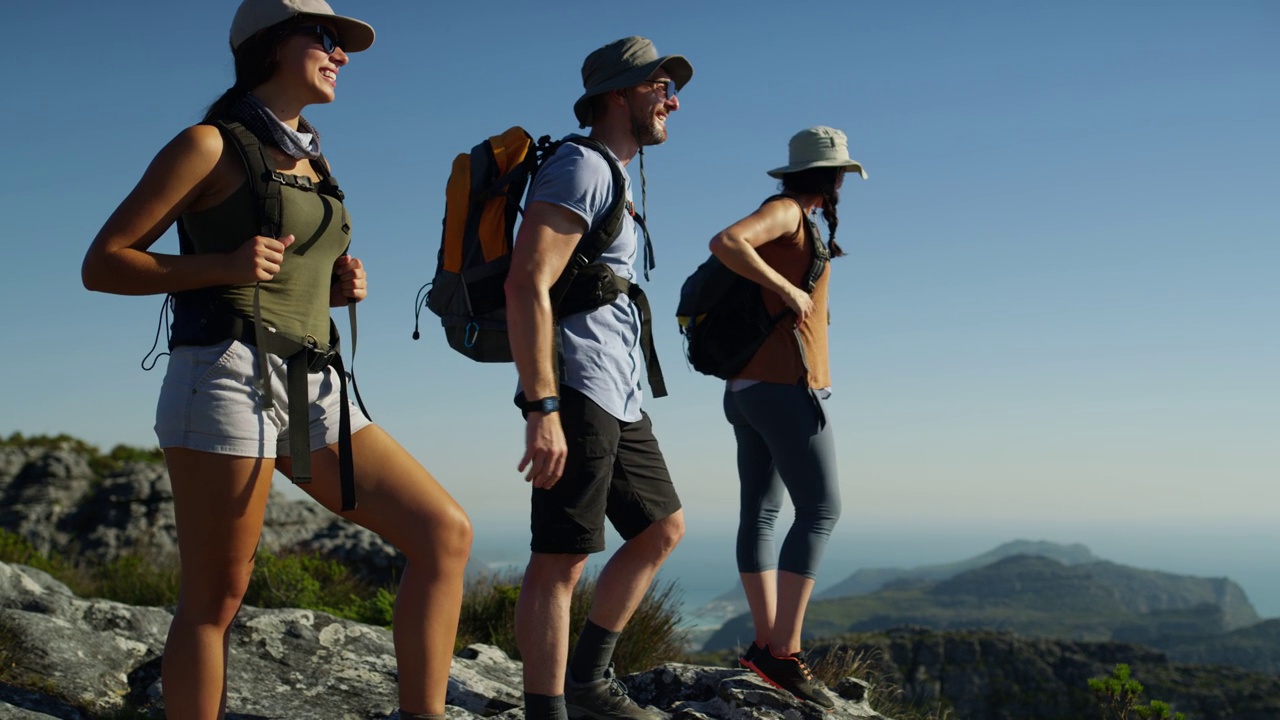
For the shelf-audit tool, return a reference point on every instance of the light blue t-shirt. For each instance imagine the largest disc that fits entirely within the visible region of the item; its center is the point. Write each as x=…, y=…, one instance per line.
x=602, y=354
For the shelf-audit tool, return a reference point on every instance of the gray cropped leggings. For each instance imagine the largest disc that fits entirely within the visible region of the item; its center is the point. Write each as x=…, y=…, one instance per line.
x=784, y=442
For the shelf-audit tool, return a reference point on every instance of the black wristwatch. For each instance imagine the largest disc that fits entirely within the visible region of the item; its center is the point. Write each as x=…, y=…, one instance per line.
x=542, y=405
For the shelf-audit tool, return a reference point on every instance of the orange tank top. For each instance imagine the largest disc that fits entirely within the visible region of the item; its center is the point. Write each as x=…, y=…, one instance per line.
x=779, y=359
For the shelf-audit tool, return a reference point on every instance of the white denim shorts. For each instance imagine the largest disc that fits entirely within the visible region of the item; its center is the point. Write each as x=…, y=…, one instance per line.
x=209, y=402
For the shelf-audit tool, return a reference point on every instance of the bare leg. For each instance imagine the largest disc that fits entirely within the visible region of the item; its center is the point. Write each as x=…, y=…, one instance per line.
x=219, y=501
x=402, y=502
x=542, y=619
x=762, y=599
x=793, y=599
x=625, y=578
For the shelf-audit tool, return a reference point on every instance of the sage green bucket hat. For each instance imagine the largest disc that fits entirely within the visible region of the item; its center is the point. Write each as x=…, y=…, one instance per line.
x=622, y=64
x=816, y=147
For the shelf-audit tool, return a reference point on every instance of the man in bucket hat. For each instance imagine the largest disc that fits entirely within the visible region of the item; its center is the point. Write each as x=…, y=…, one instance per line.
x=590, y=452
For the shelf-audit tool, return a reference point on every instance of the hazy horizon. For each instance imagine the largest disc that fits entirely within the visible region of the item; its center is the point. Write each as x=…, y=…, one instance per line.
x=703, y=565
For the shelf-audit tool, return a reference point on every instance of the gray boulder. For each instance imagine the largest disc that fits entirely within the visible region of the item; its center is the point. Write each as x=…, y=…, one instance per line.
x=71, y=658
x=55, y=501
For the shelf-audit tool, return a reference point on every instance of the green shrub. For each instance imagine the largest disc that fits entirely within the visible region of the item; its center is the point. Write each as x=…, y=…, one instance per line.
x=134, y=580
x=312, y=582
x=489, y=613
x=651, y=638
x=15, y=550
x=1118, y=698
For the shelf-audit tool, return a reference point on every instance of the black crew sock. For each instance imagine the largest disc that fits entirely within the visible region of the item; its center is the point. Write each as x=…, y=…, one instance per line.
x=592, y=654
x=544, y=707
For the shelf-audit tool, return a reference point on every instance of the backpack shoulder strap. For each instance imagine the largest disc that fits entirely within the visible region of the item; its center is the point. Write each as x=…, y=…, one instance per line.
x=820, y=256
x=263, y=180
x=598, y=238
x=813, y=238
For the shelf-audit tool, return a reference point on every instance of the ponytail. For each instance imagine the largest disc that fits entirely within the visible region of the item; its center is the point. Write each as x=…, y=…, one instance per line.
x=219, y=108
x=256, y=61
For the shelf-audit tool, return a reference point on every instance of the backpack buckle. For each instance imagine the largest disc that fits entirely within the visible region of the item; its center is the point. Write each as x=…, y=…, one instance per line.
x=298, y=181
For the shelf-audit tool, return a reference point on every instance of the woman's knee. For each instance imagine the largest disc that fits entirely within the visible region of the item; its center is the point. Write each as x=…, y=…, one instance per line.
x=819, y=518
x=214, y=597
x=445, y=538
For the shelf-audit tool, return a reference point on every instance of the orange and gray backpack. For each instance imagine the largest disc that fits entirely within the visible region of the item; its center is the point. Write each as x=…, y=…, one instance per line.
x=483, y=201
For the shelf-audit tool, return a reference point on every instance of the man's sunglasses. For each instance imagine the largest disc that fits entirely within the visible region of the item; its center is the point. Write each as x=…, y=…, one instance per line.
x=327, y=37
x=668, y=87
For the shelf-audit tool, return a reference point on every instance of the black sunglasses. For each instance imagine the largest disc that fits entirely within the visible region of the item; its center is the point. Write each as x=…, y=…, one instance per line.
x=668, y=87
x=326, y=35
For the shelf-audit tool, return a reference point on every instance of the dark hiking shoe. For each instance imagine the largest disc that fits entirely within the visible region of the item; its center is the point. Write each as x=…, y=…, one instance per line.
x=748, y=658
x=792, y=674
x=604, y=699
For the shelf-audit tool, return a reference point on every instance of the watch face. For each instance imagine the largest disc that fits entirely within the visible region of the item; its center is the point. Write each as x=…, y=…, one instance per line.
x=542, y=405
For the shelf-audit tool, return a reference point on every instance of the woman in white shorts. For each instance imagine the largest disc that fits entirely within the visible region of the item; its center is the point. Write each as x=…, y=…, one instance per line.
x=252, y=377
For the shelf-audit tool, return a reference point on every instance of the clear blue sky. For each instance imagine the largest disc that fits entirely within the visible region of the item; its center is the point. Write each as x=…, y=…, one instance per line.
x=1060, y=304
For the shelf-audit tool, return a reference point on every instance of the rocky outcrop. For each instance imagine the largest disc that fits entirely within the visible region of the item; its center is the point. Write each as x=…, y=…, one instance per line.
x=71, y=658
x=55, y=500
x=999, y=676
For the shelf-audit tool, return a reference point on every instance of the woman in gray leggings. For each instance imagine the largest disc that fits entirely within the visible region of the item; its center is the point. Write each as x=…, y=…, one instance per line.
x=776, y=403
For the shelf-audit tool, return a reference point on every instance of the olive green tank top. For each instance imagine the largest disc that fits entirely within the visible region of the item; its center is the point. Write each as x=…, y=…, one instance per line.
x=296, y=301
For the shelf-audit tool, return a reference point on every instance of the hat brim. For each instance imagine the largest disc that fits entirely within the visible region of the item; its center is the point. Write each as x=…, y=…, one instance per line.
x=353, y=35
x=680, y=70
x=850, y=165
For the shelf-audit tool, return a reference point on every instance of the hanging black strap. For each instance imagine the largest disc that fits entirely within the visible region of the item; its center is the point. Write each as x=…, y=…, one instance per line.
x=649, y=261
x=346, y=458
x=657, y=384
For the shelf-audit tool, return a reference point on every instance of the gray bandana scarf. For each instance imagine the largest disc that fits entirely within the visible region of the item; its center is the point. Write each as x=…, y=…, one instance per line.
x=301, y=143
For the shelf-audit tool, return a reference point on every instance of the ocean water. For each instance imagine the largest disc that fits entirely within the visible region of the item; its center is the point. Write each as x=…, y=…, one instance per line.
x=703, y=566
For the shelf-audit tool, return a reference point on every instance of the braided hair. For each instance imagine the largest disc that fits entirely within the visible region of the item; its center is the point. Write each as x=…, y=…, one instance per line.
x=819, y=181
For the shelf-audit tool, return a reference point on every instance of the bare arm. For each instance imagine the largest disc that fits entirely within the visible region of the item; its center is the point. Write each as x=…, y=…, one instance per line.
x=546, y=240
x=736, y=245
x=181, y=177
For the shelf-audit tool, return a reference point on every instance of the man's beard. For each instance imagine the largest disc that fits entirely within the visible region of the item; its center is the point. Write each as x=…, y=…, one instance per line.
x=649, y=130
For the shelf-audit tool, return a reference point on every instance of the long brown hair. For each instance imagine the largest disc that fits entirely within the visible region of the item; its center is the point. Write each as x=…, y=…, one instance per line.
x=819, y=181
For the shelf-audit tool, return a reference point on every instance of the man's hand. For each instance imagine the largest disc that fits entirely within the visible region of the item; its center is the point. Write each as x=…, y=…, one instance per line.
x=544, y=450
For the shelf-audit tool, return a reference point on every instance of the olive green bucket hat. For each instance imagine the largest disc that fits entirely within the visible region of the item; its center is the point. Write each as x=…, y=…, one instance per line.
x=622, y=64
x=816, y=147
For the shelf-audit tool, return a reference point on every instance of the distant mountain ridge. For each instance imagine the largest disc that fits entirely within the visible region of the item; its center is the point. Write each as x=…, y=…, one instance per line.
x=1191, y=618
x=869, y=580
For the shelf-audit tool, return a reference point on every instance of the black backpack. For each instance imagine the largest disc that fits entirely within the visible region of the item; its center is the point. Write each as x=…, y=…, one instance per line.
x=722, y=314
x=483, y=200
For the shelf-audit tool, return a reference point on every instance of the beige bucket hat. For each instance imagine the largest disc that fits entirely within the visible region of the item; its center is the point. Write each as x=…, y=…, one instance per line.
x=816, y=147
x=621, y=64
x=257, y=15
